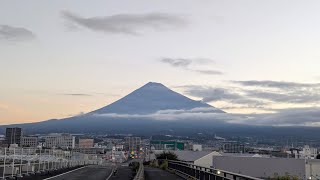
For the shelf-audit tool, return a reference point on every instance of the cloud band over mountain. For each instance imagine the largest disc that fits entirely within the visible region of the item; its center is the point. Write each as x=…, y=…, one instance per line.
x=283, y=117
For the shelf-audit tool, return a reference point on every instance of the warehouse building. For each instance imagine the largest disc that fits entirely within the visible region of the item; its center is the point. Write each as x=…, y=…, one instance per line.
x=263, y=167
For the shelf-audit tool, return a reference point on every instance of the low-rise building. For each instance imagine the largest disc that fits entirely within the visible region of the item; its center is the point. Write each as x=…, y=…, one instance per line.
x=3, y=142
x=119, y=147
x=306, y=153
x=63, y=141
x=86, y=143
x=309, y=152
x=197, y=147
x=233, y=148
x=132, y=143
x=89, y=150
x=166, y=145
x=29, y=141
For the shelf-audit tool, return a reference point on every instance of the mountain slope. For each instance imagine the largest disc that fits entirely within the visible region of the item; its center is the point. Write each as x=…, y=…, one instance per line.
x=151, y=98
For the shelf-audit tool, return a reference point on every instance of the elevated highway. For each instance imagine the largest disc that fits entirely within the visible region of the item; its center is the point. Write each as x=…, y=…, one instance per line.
x=93, y=172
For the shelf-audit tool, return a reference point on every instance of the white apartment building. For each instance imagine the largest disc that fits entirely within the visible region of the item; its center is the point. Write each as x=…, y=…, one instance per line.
x=309, y=153
x=27, y=141
x=63, y=141
x=197, y=147
x=306, y=153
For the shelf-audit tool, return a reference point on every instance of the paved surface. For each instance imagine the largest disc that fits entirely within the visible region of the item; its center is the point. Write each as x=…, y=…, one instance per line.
x=88, y=173
x=159, y=174
x=124, y=172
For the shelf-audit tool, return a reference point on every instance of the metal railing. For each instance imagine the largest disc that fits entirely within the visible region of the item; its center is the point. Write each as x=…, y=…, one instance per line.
x=191, y=171
x=140, y=172
x=19, y=162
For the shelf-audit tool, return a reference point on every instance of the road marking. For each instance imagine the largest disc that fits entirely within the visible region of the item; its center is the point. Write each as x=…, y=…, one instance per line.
x=110, y=174
x=65, y=173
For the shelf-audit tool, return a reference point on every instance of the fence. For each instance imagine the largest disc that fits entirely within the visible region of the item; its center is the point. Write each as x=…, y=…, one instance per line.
x=192, y=171
x=18, y=162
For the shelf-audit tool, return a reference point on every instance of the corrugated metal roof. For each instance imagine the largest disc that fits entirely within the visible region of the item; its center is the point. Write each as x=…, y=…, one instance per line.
x=191, y=156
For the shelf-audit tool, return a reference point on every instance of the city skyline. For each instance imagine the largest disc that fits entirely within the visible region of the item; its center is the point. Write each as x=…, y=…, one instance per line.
x=60, y=59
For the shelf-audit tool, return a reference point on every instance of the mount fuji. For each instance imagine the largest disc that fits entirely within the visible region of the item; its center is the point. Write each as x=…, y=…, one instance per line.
x=131, y=113
x=151, y=98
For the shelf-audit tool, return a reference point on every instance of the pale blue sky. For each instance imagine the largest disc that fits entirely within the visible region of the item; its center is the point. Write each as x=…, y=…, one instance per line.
x=48, y=74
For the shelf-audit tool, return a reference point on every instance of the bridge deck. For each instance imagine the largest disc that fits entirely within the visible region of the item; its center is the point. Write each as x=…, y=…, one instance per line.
x=88, y=173
x=123, y=173
x=159, y=174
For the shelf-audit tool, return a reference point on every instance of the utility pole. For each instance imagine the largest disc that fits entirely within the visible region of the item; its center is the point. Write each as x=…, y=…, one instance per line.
x=14, y=155
x=4, y=163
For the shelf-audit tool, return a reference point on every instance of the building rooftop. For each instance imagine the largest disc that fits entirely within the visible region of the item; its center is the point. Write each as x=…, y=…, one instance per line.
x=243, y=155
x=190, y=156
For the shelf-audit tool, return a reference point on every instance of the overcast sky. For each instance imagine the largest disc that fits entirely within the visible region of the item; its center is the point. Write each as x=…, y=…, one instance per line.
x=61, y=58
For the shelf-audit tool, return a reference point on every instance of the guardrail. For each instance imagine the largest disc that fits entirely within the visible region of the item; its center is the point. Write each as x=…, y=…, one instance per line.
x=22, y=162
x=140, y=172
x=191, y=171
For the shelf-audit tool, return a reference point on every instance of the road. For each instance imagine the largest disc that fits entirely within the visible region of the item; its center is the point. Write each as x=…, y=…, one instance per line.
x=124, y=172
x=93, y=172
x=159, y=174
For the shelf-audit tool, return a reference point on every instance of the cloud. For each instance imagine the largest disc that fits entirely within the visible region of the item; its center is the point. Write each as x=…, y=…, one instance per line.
x=185, y=63
x=132, y=24
x=210, y=72
x=78, y=114
x=282, y=91
x=76, y=94
x=210, y=94
x=301, y=97
x=15, y=33
x=88, y=94
x=283, y=117
x=277, y=84
x=258, y=96
x=286, y=117
x=176, y=114
x=179, y=62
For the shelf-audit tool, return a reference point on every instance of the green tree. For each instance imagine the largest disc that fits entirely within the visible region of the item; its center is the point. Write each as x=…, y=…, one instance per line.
x=167, y=155
x=164, y=165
